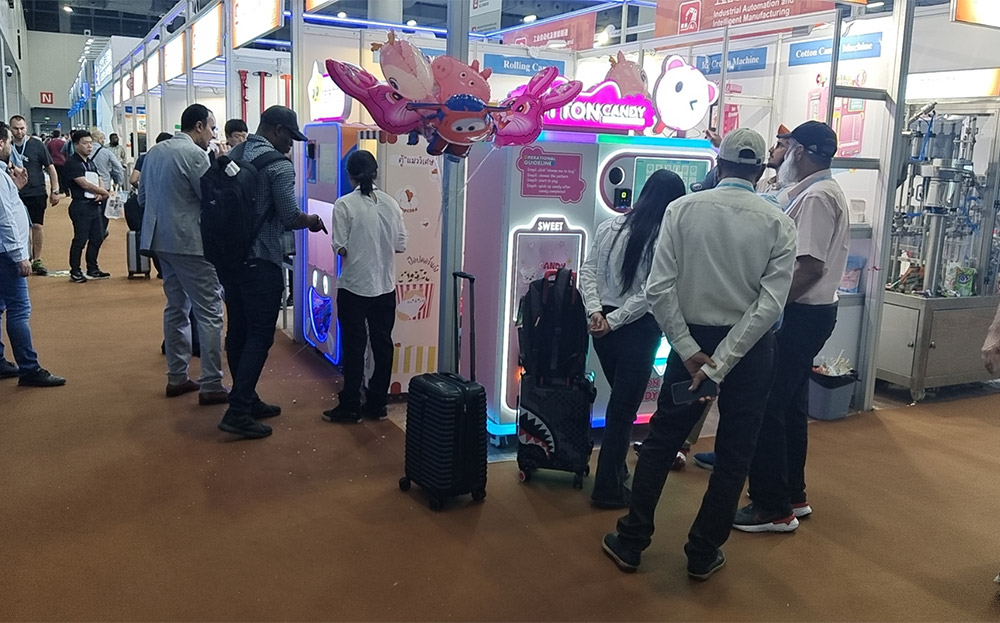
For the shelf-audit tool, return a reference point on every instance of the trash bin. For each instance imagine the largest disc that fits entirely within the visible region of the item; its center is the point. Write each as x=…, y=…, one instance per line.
x=830, y=396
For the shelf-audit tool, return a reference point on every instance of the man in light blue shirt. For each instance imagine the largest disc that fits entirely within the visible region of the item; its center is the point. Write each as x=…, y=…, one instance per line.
x=14, y=270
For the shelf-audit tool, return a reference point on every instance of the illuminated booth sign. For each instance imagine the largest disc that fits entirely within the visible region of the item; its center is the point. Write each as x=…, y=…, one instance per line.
x=603, y=109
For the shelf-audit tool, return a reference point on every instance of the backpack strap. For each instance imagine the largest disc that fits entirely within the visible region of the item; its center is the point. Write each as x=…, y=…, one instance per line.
x=266, y=159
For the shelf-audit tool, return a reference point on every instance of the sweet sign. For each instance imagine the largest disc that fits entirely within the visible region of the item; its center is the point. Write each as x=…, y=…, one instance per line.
x=603, y=108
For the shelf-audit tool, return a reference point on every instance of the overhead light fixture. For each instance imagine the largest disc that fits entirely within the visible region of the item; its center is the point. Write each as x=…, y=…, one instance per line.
x=527, y=19
x=875, y=5
x=342, y=15
x=67, y=8
x=89, y=41
x=411, y=22
x=556, y=44
x=604, y=37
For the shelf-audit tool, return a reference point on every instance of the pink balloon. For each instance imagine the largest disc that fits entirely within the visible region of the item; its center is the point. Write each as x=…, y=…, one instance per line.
x=523, y=121
x=405, y=68
x=386, y=105
x=453, y=77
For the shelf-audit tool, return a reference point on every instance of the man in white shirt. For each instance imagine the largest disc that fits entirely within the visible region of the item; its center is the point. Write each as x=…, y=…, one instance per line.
x=720, y=277
x=819, y=208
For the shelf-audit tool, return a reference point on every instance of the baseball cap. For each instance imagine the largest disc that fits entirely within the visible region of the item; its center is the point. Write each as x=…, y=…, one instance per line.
x=816, y=137
x=285, y=117
x=743, y=146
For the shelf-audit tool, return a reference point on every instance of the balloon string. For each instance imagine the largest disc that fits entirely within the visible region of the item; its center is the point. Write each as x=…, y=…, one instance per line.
x=468, y=180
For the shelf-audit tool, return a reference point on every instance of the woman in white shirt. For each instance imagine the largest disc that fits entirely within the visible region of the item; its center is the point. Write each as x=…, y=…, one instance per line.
x=626, y=336
x=368, y=230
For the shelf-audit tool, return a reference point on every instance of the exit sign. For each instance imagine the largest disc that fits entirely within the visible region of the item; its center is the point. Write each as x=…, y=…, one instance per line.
x=46, y=97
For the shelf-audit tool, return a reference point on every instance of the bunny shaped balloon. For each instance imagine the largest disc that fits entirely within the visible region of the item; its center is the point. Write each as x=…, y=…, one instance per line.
x=522, y=121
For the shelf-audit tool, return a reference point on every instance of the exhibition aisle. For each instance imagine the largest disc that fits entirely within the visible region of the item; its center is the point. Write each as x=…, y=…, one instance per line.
x=119, y=504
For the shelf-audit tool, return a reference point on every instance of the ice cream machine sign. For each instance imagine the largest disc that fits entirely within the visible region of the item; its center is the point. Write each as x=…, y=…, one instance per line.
x=603, y=107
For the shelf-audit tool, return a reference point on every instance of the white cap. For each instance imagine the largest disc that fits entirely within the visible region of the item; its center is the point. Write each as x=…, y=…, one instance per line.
x=743, y=146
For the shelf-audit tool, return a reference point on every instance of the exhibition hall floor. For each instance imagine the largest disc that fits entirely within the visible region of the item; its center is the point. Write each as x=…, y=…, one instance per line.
x=120, y=504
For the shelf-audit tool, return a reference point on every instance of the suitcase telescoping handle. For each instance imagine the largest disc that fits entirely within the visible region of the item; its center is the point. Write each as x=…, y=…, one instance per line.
x=459, y=276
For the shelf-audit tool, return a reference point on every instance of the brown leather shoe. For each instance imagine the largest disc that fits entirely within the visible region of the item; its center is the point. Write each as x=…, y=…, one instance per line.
x=180, y=389
x=220, y=397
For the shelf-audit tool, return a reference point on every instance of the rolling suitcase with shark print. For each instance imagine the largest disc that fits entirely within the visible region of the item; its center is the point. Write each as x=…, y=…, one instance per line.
x=446, y=425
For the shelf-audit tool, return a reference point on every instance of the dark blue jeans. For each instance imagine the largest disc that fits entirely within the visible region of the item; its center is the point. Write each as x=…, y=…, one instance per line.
x=253, y=299
x=777, y=474
x=741, y=407
x=626, y=356
x=14, y=294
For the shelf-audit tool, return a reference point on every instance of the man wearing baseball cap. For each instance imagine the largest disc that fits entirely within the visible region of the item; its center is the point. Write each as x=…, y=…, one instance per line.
x=719, y=279
x=253, y=294
x=819, y=208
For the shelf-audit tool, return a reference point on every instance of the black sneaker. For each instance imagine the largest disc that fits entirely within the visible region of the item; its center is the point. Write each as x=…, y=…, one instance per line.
x=76, y=276
x=626, y=559
x=41, y=378
x=244, y=426
x=8, y=370
x=340, y=415
x=262, y=410
x=98, y=274
x=750, y=518
x=379, y=415
x=700, y=573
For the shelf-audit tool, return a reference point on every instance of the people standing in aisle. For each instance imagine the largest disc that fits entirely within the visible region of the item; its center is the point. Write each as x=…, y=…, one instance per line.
x=819, y=208
x=115, y=147
x=14, y=270
x=720, y=275
x=32, y=155
x=626, y=336
x=253, y=293
x=368, y=232
x=58, y=157
x=85, y=209
x=107, y=163
x=170, y=193
x=236, y=131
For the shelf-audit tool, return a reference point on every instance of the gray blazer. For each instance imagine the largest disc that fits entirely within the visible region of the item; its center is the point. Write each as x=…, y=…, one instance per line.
x=170, y=192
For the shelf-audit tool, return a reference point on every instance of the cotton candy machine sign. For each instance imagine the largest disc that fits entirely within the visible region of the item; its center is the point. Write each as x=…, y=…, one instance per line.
x=603, y=108
x=551, y=175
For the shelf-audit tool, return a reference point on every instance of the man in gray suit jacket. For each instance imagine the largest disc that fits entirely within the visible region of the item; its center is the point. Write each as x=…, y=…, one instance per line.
x=170, y=191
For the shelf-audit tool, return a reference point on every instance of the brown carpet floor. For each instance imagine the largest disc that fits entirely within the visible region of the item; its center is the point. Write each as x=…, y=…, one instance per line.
x=119, y=504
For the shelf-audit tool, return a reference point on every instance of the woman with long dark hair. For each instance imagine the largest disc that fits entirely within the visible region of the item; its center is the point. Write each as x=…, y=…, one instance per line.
x=626, y=336
x=368, y=230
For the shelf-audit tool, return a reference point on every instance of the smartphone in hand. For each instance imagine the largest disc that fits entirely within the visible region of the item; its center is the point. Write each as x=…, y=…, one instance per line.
x=683, y=395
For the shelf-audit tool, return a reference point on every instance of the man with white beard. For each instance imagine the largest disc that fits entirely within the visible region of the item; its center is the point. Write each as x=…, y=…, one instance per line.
x=819, y=208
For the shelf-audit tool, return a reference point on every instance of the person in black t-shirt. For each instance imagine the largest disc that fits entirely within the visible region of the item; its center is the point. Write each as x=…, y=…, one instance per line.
x=31, y=154
x=85, y=209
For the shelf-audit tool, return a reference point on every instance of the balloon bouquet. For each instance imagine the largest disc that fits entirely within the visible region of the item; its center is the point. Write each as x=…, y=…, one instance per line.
x=447, y=101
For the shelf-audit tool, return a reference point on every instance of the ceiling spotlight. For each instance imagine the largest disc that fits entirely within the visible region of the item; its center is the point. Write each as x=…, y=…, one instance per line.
x=527, y=19
x=411, y=22
x=67, y=8
x=342, y=15
x=89, y=41
x=875, y=5
x=557, y=44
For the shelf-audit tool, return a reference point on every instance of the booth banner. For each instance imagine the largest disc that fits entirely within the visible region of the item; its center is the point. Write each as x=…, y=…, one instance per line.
x=255, y=18
x=577, y=32
x=978, y=12
x=520, y=65
x=681, y=17
x=754, y=59
x=206, y=37
x=413, y=178
x=820, y=51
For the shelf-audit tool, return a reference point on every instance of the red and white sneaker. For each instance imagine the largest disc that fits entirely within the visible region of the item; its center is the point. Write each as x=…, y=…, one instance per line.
x=801, y=510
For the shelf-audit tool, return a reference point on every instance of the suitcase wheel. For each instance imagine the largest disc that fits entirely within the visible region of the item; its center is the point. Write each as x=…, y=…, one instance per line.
x=524, y=475
x=479, y=495
x=404, y=484
x=578, y=481
x=436, y=504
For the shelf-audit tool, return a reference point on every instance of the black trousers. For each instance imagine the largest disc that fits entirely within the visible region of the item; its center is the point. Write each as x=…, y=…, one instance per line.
x=742, y=398
x=88, y=231
x=626, y=356
x=253, y=299
x=379, y=314
x=777, y=474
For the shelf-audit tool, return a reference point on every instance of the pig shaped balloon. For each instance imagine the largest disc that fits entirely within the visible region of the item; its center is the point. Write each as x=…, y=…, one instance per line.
x=453, y=77
x=682, y=96
x=385, y=104
x=405, y=68
x=628, y=75
x=521, y=121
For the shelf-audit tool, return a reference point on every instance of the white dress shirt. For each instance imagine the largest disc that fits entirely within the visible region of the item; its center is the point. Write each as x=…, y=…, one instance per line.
x=600, y=277
x=372, y=231
x=724, y=259
x=823, y=229
x=14, y=223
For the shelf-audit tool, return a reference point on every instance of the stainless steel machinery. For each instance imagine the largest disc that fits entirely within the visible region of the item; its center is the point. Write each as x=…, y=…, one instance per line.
x=942, y=278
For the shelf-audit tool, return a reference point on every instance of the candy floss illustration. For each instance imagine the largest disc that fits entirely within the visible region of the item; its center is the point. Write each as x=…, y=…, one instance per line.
x=628, y=75
x=682, y=96
x=405, y=68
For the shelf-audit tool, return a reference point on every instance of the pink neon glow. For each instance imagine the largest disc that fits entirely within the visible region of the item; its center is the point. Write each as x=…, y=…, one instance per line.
x=601, y=108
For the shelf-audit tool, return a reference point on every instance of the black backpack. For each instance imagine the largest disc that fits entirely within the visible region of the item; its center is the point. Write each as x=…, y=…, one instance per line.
x=228, y=210
x=552, y=330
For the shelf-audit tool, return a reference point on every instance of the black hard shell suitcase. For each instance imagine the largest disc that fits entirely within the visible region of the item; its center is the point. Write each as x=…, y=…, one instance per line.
x=553, y=427
x=446, y=427
x=138, y=264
